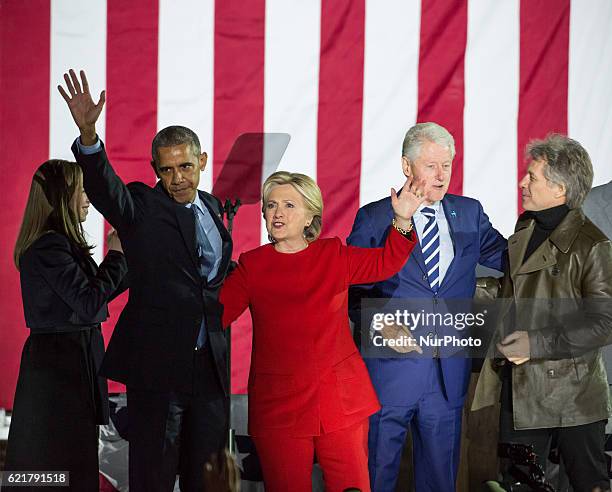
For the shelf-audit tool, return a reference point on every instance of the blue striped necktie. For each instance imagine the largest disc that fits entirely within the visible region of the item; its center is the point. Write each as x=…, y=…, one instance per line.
x=430, y=246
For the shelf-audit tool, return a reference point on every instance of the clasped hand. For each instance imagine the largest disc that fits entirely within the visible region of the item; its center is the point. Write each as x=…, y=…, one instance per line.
x=515, y=347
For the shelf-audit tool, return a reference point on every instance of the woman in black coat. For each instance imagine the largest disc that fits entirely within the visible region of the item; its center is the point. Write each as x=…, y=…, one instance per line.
x=60, y=400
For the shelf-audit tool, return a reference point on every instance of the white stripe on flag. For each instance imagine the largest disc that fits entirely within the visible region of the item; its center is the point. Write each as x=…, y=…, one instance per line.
x=78, y=40
x=291, y=82
x=186, y=71
x=491, y=109
x=590, y=82
x=390, y=96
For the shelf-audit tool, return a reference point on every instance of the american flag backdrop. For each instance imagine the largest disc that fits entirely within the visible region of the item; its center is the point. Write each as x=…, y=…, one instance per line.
x=344, y=78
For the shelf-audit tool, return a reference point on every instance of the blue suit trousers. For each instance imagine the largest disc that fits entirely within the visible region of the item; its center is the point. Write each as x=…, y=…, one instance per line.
x=435, y=427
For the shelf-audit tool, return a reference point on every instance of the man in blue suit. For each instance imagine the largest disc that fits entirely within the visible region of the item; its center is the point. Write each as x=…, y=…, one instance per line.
x=425, y=394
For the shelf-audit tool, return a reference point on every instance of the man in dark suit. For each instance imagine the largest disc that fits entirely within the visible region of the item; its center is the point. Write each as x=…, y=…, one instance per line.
x=168, y=347
x=424, y=394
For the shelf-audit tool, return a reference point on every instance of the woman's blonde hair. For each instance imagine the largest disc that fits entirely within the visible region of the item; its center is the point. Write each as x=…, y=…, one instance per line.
x=50, y=206
x=309, y=190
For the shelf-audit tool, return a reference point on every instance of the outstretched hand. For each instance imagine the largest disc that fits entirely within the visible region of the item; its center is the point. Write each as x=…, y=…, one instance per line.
x=408, y=201
x=82, y=107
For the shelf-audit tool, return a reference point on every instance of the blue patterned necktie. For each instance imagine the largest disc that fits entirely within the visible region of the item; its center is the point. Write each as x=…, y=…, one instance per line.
x=430, y=246
x=206, y=254
x=206, y=257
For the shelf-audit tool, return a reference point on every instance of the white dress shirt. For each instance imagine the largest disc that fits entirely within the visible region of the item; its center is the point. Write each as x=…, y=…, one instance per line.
x=447, y=252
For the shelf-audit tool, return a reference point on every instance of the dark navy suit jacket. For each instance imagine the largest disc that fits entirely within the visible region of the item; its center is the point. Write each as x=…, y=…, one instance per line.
x=401, y=381
x=153, y=342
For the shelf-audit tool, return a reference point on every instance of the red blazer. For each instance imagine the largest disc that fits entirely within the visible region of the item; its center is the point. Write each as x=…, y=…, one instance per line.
x=306, y=372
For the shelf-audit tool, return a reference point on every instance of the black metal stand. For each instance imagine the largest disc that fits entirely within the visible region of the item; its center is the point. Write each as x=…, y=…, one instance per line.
x=230, y=210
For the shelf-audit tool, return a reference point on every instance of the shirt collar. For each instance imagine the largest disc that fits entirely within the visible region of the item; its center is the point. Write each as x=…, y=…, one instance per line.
x=437, y=206
x=197, y=202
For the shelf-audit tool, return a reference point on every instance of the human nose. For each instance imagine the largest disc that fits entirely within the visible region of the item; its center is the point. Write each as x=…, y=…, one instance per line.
x=177, y=177
x=524, y=181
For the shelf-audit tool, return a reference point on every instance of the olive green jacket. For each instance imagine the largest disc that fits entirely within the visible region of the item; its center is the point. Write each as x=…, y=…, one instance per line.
x=564, y=383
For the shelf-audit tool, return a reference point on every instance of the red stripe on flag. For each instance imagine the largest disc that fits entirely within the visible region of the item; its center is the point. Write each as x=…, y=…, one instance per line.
x=340, y=112
x=441, y=72
x=25, y=34
x=131, y=109
x=239, y=108
x=543, y=86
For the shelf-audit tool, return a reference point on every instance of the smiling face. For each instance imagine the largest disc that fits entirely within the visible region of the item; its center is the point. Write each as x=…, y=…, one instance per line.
x=434, y=166
x=537, y=192
x=80, y=202
x=286, y=217
x=179, y=171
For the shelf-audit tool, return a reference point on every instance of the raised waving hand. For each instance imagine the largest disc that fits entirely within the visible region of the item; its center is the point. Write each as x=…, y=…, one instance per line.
x=82, y=107
x=406, y=203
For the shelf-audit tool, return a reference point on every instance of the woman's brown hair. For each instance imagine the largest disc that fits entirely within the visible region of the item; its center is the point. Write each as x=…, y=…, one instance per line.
x=50, y=206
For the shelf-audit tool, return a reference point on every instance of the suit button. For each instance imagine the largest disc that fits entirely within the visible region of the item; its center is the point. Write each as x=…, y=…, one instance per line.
x=551, y=373
x=425, y=277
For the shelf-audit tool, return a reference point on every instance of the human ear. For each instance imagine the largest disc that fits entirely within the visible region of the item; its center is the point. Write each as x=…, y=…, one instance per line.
x=203, y=160
x=406, y=166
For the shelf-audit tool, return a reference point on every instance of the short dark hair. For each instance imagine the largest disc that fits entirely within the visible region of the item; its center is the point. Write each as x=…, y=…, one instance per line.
x=174, y=135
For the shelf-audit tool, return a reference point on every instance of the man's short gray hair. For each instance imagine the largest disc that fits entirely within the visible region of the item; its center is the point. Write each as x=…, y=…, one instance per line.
x=175, y=135
x=568, y=164
x=421, y=132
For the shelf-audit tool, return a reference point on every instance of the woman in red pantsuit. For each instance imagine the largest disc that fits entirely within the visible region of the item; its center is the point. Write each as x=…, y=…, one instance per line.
x=309, y=390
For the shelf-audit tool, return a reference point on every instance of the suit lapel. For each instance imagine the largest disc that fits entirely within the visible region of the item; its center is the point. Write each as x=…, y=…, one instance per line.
x=541, y=258
x=517, y=245
x=417, y=253
x=458, y=240
x=186, y=223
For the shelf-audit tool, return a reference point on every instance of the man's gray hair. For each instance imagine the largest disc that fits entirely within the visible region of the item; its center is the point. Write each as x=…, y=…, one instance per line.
x=175, y=135
x=421, y=132
x=569, y=165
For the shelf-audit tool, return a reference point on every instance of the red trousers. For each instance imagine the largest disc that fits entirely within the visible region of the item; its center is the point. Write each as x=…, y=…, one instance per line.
x=343, y=456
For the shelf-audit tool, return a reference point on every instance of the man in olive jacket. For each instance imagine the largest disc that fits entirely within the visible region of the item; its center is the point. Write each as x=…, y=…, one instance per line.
x=549, y=370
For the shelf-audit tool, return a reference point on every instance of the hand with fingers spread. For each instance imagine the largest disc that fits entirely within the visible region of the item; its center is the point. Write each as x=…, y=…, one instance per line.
x=407, y=202
x=82, y=107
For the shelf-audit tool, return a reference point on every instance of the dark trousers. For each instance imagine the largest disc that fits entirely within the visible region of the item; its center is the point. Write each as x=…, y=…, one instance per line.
x=581, y=447
x=174, y=433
